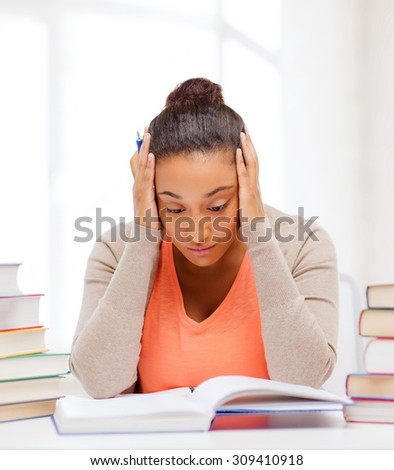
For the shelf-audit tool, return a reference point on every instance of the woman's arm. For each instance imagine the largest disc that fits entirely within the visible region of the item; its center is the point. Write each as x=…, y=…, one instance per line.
x=118, y=282
x=298, y=301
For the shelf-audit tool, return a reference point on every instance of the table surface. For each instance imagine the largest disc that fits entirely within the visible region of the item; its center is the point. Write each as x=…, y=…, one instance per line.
x=326, y=430
x=311, y=431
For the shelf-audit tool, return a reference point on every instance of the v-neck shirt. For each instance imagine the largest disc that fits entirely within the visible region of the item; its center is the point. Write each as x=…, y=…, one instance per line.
x=177, y=351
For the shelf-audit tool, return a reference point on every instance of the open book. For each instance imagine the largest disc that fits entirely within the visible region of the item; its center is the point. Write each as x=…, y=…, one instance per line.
x=184, y=409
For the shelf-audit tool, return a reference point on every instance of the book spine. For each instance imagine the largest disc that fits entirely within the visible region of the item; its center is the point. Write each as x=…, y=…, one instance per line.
x=10, y=330
x=372, y=399
x=347, y=384
x=348, y=419
x=360, y=321
x=19, y=296
x=367, y=297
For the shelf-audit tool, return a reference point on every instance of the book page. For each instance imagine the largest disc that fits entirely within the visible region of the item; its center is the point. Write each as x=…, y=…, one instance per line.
x=218, y=391
x=168, y=402
x=276, y=403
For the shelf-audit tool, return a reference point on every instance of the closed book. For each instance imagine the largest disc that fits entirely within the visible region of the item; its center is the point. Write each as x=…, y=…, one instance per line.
x=380, y=296
x=183, y=409
x=19, y=311
x=22, y=341
x=367, y=410
x=18, y=391
x=379, y=386
x=379, y=356
x=32, y=409
x=31, y=366
x=377, y=323
x=9, y=279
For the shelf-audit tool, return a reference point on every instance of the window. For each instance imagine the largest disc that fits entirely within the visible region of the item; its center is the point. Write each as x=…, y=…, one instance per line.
x=81, y=78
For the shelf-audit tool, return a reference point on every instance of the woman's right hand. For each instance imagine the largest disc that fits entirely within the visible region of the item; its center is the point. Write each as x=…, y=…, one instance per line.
x=143, y=169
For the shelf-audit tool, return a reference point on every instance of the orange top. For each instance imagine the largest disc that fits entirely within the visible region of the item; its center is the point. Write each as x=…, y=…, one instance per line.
x=177, y=351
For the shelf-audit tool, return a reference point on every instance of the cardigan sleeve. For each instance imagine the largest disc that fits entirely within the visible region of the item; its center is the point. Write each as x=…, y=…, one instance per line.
x=298, y=304
x=117, y=285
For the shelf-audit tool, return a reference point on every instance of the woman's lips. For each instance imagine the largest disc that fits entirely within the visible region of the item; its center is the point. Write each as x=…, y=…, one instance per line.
x=201, y=251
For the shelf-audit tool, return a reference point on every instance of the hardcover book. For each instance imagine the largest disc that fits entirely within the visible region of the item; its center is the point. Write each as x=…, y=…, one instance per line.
x=18, y=391
x=22, y=341
x=28, y=409
x=369, y=410
x=30, y=366
x=374, y=386
x=19, y=311
x=184, y=409
x=377, y=323
x=379, y=356
x=380, y=296
x=9, y=279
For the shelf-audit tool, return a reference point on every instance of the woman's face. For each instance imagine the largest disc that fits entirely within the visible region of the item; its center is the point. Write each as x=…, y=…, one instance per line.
x=198, y=203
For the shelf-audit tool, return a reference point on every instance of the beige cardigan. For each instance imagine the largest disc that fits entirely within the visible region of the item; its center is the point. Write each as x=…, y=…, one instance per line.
x=297, y=285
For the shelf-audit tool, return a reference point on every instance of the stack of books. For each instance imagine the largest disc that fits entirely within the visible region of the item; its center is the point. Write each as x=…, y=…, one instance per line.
x=373, y=390
x=29, y=374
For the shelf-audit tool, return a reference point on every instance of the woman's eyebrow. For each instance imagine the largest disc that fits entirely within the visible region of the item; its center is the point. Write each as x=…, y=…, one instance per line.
x=211, y=193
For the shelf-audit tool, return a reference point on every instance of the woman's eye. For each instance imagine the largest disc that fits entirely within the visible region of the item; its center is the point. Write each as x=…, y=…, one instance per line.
x=213, y=209
x=218, y=208
x=173, y=211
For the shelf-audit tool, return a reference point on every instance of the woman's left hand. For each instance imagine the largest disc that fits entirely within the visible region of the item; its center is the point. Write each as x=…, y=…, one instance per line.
x=251, y=206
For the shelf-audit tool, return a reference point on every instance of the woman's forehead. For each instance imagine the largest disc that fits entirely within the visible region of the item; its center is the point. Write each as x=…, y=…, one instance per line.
x=194, y=178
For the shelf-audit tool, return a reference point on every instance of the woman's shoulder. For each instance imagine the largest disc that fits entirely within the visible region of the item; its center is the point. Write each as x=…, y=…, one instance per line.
x=295, y=227
x=301, y=239
x=114, y=240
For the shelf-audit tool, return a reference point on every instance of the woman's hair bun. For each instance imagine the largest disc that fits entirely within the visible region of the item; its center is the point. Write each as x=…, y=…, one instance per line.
x=195, y=119
x=193, y=90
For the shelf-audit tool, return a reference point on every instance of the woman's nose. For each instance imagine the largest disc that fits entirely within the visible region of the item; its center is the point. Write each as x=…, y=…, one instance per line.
x=201, y=228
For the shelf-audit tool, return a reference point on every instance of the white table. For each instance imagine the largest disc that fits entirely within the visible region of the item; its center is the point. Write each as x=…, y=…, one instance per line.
x=306, y=431
x=323, y=431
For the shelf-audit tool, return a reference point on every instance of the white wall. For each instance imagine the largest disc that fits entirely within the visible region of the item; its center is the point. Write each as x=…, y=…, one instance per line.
x=337, y=66
x=88, y=76
x=338, y=70
x=379, y=123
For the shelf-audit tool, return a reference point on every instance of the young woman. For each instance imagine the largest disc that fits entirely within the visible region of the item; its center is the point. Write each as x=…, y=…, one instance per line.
x=207, y=280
